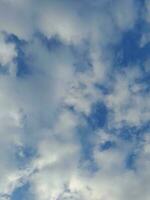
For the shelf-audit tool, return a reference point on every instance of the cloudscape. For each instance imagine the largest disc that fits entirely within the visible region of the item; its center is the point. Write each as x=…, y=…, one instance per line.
x=74, y=100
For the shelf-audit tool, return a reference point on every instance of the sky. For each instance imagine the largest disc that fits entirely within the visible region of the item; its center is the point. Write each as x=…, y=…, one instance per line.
x=74, y=99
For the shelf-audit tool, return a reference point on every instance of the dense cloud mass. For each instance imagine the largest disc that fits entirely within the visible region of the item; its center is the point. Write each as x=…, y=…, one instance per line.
x=74, y=100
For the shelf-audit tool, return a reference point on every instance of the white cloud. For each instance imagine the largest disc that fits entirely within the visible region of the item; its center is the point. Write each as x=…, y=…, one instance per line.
x=15, y=18
x=7, y=55
x=128, y=105
x=36, y=108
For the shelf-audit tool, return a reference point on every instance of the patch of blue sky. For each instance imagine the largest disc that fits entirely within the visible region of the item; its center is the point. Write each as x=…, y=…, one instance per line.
x=106, y=88
x=24, y=155
x=50, y=43
x=128, y=51
x=130, y=161
x=97, y=119
x=98, y=116
x=87, y=150
x=22, y=193
x=107, y=145
x=131, y=133
x=84, y=134
x=21, y=60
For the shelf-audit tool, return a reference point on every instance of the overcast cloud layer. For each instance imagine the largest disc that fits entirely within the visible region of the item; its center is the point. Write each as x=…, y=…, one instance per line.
x=74, y=99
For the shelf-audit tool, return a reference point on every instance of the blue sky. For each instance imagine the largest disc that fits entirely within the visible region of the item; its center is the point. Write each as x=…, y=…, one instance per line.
x=74, y=100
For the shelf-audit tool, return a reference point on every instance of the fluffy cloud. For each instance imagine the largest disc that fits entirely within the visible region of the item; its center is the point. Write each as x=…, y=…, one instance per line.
x=126, y=101
x=47, y=109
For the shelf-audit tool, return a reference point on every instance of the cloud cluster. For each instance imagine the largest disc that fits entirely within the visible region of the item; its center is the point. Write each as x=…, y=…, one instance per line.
x=56, y=63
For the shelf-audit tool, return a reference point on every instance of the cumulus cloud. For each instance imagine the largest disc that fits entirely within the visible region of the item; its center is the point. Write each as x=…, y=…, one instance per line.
x=47, y=95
